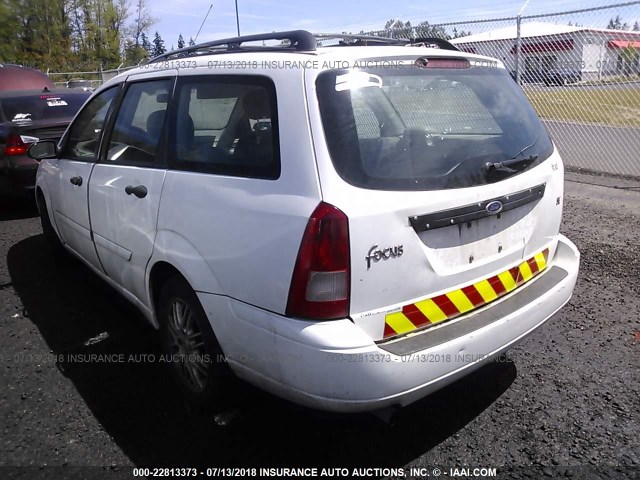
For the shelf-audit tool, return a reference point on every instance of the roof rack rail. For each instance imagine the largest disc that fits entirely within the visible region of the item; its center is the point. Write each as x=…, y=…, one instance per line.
x=438, y=42
x=349, y=40
x=299, y=40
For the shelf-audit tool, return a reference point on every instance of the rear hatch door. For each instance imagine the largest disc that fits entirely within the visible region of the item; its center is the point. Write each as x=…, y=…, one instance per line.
x=450, y=183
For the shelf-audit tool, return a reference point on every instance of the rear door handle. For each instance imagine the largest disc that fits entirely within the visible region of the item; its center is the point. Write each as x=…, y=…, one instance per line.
x=76, y=181
x=139, y=191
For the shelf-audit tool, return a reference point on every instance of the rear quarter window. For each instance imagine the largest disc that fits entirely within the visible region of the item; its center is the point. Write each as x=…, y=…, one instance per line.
x=226, y=125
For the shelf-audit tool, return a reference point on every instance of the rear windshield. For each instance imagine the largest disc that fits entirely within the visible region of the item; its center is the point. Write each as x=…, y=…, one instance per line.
x=417, y=128
x=44, y=106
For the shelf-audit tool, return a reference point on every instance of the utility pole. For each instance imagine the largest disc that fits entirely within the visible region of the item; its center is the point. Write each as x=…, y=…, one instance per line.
x=519, y=42
x=237, y=18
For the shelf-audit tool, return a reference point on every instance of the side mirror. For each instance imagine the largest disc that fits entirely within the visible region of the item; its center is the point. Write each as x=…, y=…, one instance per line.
x=43, y=149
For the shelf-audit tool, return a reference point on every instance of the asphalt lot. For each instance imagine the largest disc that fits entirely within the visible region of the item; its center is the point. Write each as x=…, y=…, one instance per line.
x=582, y=86
x=599, y=148
x=563, y=404
x=594, y=147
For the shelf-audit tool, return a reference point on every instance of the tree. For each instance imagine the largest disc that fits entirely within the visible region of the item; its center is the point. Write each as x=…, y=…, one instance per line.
x=629, y=57
x=459, y=34
x=142, y=23
x=97, y=31
x=69, y=35
x=35, y=33
x=8, y=34
x=636, y=27
x=425, y=30
x=614, y=23
x=617, y=24
x=180, y=41
x=146, y=44
x=158, y=45
x=191, y=42
x=134, y=54
x=137, y=45
x=116, y=13
x=398, y=29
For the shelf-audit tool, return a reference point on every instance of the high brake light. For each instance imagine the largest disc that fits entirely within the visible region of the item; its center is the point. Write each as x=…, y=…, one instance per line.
x=442, y=62
x=321, y=277
x=18, y=144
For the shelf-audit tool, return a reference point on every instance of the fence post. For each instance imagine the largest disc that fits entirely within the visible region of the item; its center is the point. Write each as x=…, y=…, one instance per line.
x=518, y=39
x=600, y=60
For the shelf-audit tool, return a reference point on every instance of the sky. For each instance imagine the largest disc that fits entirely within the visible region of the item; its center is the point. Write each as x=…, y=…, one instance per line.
x=257, y=16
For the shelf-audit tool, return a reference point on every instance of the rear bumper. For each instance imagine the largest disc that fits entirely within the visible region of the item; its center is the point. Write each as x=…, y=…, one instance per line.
x=334, y=366
x=18, y=179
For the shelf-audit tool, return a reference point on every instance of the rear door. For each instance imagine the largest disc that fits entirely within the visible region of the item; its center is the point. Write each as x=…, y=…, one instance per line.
x=67, y=178
x=125, y=186
x=437, y=226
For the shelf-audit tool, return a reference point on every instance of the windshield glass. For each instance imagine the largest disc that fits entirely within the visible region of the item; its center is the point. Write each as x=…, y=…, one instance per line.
x=45, y=106
x=416, y=128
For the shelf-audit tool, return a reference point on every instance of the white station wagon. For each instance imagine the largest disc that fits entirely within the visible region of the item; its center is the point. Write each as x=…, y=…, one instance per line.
x=349, y=226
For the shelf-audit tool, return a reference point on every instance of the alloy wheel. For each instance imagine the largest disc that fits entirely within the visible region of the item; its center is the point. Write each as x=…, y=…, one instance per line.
x=187, y=346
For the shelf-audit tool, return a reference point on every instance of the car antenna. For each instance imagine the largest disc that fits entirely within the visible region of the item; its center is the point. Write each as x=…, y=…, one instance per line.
x=205, y=19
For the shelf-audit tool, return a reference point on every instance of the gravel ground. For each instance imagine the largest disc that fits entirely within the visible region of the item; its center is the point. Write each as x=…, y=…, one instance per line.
x=564, y=403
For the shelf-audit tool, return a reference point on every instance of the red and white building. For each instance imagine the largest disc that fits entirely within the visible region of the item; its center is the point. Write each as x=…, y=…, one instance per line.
x=595, y=52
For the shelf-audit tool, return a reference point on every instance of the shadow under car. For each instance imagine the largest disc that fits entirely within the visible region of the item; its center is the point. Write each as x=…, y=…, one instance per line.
x=78, y=314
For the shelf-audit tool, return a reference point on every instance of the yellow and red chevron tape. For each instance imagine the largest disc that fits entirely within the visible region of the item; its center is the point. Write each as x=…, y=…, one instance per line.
x=457, y=302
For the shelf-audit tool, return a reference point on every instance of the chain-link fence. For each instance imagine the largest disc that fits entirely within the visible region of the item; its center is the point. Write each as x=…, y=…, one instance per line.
x=87, y=80
x=579, y=68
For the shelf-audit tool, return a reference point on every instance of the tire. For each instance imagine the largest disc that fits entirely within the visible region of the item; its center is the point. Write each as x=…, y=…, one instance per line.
x=50, y=234
x=193, y=353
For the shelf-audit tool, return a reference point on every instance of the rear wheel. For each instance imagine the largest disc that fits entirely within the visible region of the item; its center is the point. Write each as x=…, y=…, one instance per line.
x=194, y=355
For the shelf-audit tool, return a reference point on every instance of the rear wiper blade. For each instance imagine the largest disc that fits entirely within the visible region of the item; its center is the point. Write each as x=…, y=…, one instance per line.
x=509, y=164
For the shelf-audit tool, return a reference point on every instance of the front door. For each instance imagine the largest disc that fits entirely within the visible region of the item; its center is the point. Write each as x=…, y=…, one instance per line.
x=71, y=173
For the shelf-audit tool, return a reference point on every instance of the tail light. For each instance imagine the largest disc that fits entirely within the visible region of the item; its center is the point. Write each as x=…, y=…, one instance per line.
x=18, y=144
x=321, y=277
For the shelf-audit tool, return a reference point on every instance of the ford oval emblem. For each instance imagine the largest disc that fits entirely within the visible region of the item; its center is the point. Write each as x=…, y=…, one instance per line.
x=494, y=207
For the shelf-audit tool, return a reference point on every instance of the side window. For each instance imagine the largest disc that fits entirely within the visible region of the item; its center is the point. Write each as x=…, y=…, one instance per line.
x=139, y=123
x=83, y=139
x=227, y=126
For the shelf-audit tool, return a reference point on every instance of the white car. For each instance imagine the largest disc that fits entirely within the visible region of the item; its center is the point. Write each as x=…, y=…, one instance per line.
x=350, y=227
